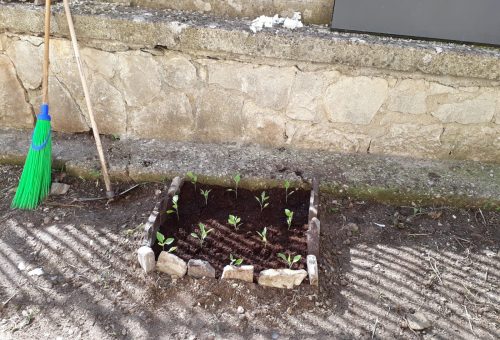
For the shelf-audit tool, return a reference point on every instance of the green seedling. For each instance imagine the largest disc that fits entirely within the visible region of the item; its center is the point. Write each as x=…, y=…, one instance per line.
x=288, y=260
x=288, y=194
x=334, y=210
x=162, y=242
x=234, y=221
x=263, y=236
x=205, y=193
x=289, y=217
x=193, y=178
x=175, y=206
x=234, y=261
x=262, y=200
x=236, y=180
x=202, y=233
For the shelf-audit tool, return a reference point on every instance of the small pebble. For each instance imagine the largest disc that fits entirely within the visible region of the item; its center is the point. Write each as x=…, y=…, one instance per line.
x=240, y=310
x=46, y=219
x=275, y=336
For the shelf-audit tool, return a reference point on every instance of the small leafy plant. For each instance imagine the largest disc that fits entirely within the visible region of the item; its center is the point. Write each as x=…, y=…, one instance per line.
x=288, y=260
x=162, y=242
x=236, y=180
x=205, y=193
x=202, y=233
x=288, y=194
x=234, y=261
x=193, y=178
x=289, y=217
x=175, y=206
x=234, y=221
x=263, y=236
x=262, y=200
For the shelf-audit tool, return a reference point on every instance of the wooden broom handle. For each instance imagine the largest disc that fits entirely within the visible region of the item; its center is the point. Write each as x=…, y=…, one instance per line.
x=45, y=82
x=107, y=182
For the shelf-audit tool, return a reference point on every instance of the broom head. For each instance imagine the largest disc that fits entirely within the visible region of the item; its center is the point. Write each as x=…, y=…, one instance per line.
x=34, y=184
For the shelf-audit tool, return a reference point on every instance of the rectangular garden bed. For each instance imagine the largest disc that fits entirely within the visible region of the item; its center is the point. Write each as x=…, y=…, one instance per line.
x=294, y=236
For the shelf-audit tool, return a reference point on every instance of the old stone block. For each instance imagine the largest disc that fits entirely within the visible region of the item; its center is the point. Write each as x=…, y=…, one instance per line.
x=109, y=106
x=326, y=136
x=180, y=73
x=409, y=139
x=267, y=126
x=479, y=109
x=140, y=75
x=243, y=273
x=355, y=100
x=267, y=85
x=281, y=278
x=65, y=113
x=146, y=258
x=102, y=62
x=169, y=117
x=312, y=270
x=220, y=115
x=200, y=268
x=27, y=59
x=409, y=96
x=171, y=264
x=479, y=143
x=305, y=97
x=14, y=110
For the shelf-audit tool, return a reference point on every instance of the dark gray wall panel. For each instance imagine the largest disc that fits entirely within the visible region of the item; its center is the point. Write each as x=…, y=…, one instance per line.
x=462, y=20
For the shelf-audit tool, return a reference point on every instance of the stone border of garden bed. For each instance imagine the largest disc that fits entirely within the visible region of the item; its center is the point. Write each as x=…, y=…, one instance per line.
x=176, y=267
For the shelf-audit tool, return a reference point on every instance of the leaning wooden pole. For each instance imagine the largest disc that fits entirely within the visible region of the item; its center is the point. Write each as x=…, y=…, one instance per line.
x=74, y=42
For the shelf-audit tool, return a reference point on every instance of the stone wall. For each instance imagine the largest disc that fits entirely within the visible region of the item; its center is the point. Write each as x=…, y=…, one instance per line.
x=313, y=11
x=195, y=95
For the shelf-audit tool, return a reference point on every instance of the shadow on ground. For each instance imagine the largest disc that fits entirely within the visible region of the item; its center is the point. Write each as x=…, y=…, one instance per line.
x=380, y=265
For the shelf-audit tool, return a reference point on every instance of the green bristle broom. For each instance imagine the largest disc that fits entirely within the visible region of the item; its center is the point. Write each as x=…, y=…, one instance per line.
x=34, y=184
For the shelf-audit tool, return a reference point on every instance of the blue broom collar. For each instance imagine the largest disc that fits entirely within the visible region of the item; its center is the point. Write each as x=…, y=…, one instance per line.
x=44, y=112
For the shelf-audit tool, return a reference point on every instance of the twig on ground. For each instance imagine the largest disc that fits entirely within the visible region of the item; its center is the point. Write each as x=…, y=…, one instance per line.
x=64, y=205
x=486, y=275
x=8, y=300
x=481, y=212
x=419, y=234
x=468, y=318
x=374, y=328
x=434, y=268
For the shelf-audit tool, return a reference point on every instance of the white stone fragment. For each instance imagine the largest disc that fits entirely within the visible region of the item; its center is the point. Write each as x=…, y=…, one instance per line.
x=146, y=258
x=200, y=268
x=171, y=264
x=243, y=273
x=36, y=272
x=312, y=270
x=267, y=22
x=59, y=188
x=281, y=278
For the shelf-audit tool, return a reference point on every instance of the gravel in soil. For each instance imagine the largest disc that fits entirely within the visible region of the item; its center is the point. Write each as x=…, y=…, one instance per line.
x=382, y=269
x=243, y=242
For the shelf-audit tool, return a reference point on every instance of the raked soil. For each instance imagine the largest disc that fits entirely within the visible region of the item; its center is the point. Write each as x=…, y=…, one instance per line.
x=380, y=265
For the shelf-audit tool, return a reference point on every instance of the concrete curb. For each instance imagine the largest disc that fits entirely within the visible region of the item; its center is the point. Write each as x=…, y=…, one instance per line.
x=393, y=180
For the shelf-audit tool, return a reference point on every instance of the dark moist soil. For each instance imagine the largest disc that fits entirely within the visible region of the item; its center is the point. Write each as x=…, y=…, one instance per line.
x=243, y=243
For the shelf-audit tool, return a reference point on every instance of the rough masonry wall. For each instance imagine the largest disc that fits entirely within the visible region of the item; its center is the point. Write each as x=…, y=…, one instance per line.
x=157, y=93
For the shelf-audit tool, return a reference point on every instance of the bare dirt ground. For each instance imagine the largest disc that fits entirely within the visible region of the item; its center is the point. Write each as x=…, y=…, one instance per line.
x=380, y=265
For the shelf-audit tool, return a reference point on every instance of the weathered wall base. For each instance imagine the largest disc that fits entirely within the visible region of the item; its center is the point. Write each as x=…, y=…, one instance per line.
x=195, y=95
